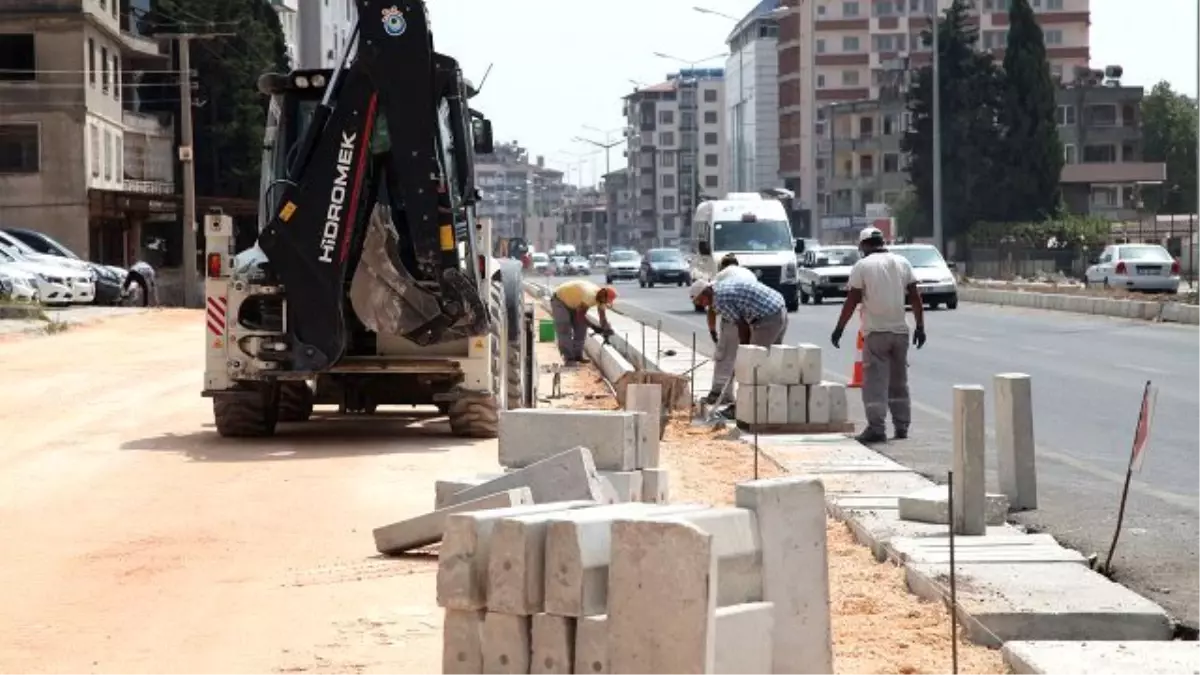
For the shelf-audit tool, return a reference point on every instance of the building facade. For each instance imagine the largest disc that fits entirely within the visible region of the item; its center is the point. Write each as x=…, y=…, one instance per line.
x=515, y=189
x=675, y=142
x=751, y=160
x=622, y=208
x=323, y=31
x=834, y=51
x=289, y=16
x=79, y=160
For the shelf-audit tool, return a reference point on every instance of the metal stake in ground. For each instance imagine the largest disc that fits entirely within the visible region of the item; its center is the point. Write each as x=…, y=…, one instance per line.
x=757, y=391
x=692, y=377
x=953, y=583
x=642, y=356
x=658, y=344
x=1140, y=435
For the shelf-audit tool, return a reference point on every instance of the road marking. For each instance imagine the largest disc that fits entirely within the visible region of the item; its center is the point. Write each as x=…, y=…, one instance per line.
x=1039, y=350
x=970, y=338
x=1141, y=369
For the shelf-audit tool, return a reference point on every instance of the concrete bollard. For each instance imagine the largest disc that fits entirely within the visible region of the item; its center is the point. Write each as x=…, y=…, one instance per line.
x=795, y=560
x=970, y=513
x=646, y=399
x=1014, y=440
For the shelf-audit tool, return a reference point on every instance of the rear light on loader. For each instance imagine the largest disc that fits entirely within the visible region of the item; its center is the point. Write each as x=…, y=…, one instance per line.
x=482, y=267
x=1120, y=268
x=214, y=265
x=1174, y=268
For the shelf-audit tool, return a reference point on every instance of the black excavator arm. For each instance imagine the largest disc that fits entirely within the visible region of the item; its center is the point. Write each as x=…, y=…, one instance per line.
x=394, y=80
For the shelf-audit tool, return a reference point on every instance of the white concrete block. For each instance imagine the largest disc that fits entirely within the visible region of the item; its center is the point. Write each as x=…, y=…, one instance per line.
x=1015, y=461
x=777, y=404
x=553, y=644
x=463, y=559
x=811, y=366
x=662, y=598
x=563, y=477
x=932, y=505
x=818, y=404
x=516, y=578
x=578, y=552
x=444, y=489
x=798, y=404
x=791, y=521
x=507, y=643
x=839, y=410
x=752, y=404
x=591, y=644
x=785, y=364
x=462, y=641
x=627, y=485
x=1147, y=657
x=531, y=435
x=656, y=486
x=969, y=438
x=646, y=399
x=428, y=528
x=737, y=545
x=749, y=359
x=744, y=637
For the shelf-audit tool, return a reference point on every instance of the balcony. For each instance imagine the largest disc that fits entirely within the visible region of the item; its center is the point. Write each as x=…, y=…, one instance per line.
x=141, y=46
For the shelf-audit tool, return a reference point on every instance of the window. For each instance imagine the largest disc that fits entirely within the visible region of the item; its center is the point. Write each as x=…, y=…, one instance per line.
x=710, y=95
x=1056, y=71
x=820, y=81
x=1054, y=37
x=1100, y=115
x=711, y=181
x=885, y=8
x=849, y=9
x=1054, y=5
x=19, y=148
x=108, y=155
x=888, y=43
x=710, y=116
x=820, y=10
x=849, y=43
x=891, y=162
x=710, y=160
x=666, y=116
x=104, y=66
x=17, y=60
x=1069, y=156
x=1065, y=116
x=668, y=203
x=666, y=138
x=688, y=139
x=92, y=61
x=995, y=39
x=850, y=78
x=820, y=45
x=890, y=122
x=120, y=160
x=1099, y=154
x=116, y=69
x=710, y=138
x=669, y=223
x=687, y=120
x=667, y=180
x=666, y=158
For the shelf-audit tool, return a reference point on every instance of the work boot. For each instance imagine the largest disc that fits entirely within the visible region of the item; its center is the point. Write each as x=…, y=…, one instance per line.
x=901, y=433
x=869, y=437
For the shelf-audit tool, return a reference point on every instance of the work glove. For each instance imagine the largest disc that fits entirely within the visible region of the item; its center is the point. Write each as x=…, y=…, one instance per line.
x=919, y=337
x=836, y=338
x=713, y=334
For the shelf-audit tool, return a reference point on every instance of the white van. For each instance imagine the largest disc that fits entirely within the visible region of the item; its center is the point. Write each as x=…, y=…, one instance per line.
x=755, y=229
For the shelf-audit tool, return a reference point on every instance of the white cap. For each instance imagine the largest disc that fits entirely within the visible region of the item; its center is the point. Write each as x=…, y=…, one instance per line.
x=869, y=233
x=698, y=287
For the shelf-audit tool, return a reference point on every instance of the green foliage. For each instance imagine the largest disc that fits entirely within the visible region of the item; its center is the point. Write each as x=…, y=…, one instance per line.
x=971, y=90
x=1169, y=122
x=1067, y=232
x=1032, y=153
x=911, y=221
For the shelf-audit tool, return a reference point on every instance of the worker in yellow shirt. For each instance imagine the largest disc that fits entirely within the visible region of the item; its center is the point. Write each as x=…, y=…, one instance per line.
x=569, y=307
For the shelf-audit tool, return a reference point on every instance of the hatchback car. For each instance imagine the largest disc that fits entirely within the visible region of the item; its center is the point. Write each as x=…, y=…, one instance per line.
x=1136, y=267
x=664, y=266
x=622, y=265
x=578, y=265
x=935, y=276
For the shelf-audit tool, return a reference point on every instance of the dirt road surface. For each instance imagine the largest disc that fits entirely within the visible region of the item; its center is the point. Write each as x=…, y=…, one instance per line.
x=136, y=540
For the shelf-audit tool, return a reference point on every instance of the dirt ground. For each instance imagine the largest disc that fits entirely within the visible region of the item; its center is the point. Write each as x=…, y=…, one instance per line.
x=139, y=541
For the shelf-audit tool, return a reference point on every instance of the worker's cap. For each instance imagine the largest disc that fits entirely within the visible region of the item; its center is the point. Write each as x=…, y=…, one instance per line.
x=869, y=234
x=609, y=293
x=698, y=287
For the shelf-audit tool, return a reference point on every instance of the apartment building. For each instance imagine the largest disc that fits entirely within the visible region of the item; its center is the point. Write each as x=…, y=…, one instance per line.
x=849, y=50
x=324, y=29
x=78, y=159
x=289, y=14
x=622, y=208
x=1099, y=126
x=585, y=221
x=751, y=161
x=675, y=145
x=514, y=189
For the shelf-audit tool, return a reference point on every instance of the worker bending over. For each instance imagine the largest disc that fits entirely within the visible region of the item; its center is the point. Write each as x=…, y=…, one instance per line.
x=756, y=310
x=882, y=281
x=724, y=334
x=570, y=306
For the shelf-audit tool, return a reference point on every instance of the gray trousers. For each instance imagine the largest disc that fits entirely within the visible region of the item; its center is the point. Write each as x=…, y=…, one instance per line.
x=885, y=381
x=764, y=333
x=769, y=330
x=570, y=330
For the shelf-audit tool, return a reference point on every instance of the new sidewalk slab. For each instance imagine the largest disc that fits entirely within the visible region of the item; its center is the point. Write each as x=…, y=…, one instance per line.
x=1102, y=658
x=1151, y=310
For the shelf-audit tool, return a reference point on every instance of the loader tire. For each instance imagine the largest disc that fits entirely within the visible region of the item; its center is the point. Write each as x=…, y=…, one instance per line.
x=242, y=416
x=474, y=416
x=295, y=402
x=517, y=352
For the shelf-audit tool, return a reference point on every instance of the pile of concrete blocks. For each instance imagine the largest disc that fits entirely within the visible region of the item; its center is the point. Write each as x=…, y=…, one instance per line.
x=579, y=587
x=783, y=386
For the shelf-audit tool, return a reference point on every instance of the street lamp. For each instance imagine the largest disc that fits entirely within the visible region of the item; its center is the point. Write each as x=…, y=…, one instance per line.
x=607, y=146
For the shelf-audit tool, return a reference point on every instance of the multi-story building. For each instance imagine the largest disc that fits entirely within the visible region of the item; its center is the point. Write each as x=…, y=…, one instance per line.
x=622, y=208
x=78, y=159
x=751, y=160
x=848, y=50
x=1099, y=127
x=585, y=221
x=325, y=28
x=288, y=12
x=675, y=144
x=515, y=190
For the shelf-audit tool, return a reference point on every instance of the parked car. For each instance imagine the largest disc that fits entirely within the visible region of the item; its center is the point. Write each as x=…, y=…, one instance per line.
x=1136, y=267
x=541, y=263
x=825, y=272
x=111, y=281
x=17, y=285
x=57, y=284
x=663, y=266
x=598, y=260
x=622, y=265
x=578, y=265
x=935, y=276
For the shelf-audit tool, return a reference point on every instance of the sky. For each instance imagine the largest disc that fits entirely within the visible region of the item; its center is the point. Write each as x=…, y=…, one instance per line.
x=559, y=66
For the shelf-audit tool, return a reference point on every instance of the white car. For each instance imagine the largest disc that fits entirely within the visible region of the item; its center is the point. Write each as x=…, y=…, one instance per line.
x=541, y=263
x=623, y=265
x=1136, y=267
x=825, y=272
x=56, y=284
x=579, y=265
x=22, y=285
x=935, y=276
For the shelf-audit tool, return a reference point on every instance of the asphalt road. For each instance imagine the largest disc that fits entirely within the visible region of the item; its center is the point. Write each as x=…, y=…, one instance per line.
x=1088, y=376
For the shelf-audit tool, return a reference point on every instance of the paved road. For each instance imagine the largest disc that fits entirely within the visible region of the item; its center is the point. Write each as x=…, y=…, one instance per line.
x=1088, y=375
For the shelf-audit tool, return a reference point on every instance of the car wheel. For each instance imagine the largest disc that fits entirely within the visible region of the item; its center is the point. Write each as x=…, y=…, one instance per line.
x=952, y=303
x=608, y=280
x=641, y=282
x=793, y=304
x=1106, y=286
x=817, y=298
x=680, y=284
x=933, y=306
x=803, y=297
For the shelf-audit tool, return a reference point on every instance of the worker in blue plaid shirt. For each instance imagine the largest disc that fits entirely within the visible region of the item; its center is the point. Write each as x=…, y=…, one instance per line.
x=758, y=310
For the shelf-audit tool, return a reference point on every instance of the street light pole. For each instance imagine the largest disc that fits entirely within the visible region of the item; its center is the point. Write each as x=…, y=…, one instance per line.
x=938, y=235
x=607, y=146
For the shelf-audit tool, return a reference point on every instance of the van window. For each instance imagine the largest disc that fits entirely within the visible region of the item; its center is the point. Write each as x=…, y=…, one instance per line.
x=759, y=235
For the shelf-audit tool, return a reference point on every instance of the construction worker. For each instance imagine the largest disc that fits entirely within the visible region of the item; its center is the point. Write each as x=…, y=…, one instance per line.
x=757, y=311
x=882, y=282
x=726, y=335
x=569, y=307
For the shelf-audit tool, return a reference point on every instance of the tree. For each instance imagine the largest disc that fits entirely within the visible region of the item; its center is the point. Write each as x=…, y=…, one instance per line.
x=1032, y=153
x=971, y=89
x=1169, y=135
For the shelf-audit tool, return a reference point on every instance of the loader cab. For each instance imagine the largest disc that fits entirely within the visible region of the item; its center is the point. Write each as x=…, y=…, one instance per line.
x=294, y=98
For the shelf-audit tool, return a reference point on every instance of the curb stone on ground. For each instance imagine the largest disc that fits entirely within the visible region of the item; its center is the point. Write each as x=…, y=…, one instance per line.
x=1150, y=310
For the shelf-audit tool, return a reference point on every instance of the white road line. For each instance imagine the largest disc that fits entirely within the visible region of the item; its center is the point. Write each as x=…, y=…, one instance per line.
x=969, y=338
x=1039, y=350
x=1141, y=369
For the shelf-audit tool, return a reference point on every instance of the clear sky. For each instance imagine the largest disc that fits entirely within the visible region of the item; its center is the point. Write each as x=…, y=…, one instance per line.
x=560, y=65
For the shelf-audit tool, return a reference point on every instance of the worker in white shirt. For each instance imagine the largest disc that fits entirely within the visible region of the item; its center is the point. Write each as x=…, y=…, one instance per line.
x=725, y=335
x=882, y=281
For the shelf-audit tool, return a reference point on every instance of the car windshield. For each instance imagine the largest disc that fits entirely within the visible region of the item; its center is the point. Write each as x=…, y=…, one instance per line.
x=578, y=261
x=837, y=257
x=759, y=235
x=7, y=257
x=666, y=255
x=540, y=257
x=44, y=243
x=1144, y=253
x=921, y=257
x=13, y=242
x=624, y=256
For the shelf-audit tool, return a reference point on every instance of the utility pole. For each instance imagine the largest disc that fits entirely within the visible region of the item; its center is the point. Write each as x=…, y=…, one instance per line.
x=607, y=146
x=938, y=235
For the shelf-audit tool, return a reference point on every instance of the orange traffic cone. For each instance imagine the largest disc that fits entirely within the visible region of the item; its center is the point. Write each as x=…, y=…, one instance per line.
x=856, y=375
